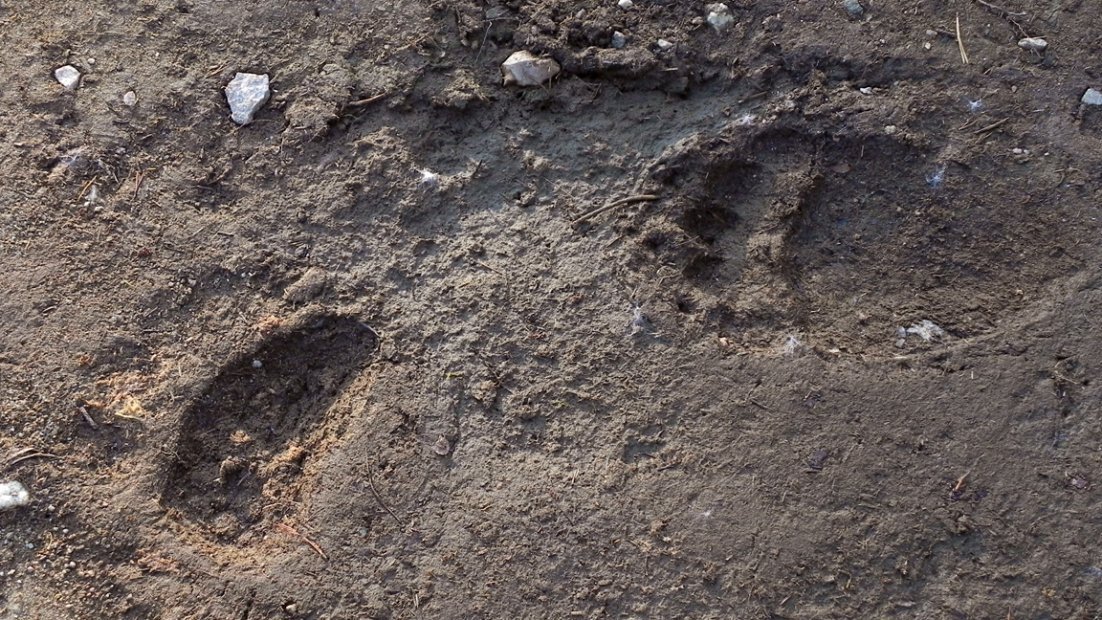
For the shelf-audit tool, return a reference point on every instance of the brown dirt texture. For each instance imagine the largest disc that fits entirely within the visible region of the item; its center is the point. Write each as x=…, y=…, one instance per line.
x=794, y=319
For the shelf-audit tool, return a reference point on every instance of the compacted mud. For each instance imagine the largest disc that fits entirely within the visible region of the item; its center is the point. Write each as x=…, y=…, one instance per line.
x=793, y=318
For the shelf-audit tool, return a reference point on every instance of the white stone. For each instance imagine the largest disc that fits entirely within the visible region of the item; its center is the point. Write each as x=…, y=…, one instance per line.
x=68, y=76
x=619, y=40
x=664, y=44
x=246, y=94
x=625, y=4
x=13, y=495
x=1092, y=97
x=719, y=17
x=1033, y=44
x=526, y=69
x=130, y=99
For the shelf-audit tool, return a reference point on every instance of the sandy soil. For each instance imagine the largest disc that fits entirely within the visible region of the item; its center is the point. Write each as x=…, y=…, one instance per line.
x=633, y=350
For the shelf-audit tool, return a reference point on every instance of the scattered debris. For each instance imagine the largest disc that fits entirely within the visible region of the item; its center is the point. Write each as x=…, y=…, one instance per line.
x=719, y=17
x=246, y=94
x=68, y=76
x=130, y=99
x=13, y=495
x=853, y=7
x=625, y=4
x=526, y=69
x=1092, y=97
x=639, y=324
x=619, y=40
x=926, y=330
x=1033, y=44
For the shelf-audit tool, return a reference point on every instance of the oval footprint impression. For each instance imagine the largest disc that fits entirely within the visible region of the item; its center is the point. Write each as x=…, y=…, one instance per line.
x=244, y=443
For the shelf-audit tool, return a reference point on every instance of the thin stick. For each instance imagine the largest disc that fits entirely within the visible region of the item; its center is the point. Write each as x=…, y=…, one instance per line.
x=138, y=178
x=379, y=498
x=753, y=97
x=86, y=187
x=368, y=101
x=623, y=202
x=992, y=126
x=1004, y=12
x=88, y=418
x=963, y=480
x=287, y=529
x=33, y=455
x=960, y=43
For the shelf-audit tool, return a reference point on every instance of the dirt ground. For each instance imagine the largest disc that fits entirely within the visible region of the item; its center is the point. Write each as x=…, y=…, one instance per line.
x=416, y=344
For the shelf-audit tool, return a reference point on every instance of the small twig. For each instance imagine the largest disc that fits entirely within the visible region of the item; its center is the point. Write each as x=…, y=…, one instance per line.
x=28, y=456
x=753, y=97
x=623, y=202
x=367, y=101
x=138, y=178
x=960, y=43
x=992, y=126
x=1003, y=12
x=967, y=125
x=88, y=418
x=287, y=529
x=86, y=187
x=959, y=486
x=129, y=417
x=962, y=482
x=485, y=37
x=757, y=404
x=379, y=498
